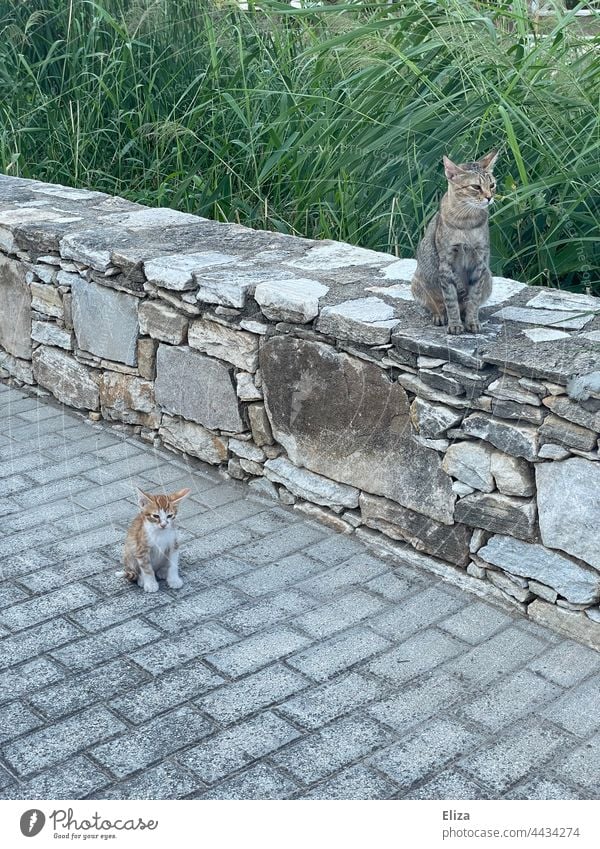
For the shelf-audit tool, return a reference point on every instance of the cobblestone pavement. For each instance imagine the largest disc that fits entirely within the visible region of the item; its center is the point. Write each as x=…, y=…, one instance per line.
x=292, y=664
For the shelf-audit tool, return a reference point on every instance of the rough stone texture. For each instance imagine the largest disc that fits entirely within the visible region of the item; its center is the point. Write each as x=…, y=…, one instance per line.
x=432, y=420
x=340, y=417
x=567, y=409
x=69, y=381
x=177, y=272
x=424, y=534
x=46, y=300
x=146, y=357
x=162, y=322
x=470, y=462
x=48, y=333
x=19, y=369
x=573, y=625
x=193, y=439
x=568, y=496
x=234, y=346
x=498, y=513
x=197, y=387
x=578, y=584
x=509, y=389
x=260, y=424
x=15, y=307
x=295, y=300
x=513, y=476
x=309, y=485
x=230, y=286
x=367, y=320
x=246, y=388
x=522, y=441
x=545, y=318
x=105, y=322
x=128, y=399
x=558, y=430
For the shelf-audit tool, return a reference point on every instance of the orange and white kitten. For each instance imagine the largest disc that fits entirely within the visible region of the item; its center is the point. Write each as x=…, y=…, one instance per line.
x=151, y=547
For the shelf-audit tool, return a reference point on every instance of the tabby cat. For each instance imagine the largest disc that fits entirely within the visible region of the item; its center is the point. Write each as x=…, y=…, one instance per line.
x=151, y=547
x=453, y=277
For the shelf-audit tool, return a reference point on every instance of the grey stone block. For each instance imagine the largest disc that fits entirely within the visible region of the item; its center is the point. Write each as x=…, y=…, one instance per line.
x=417, y=612
x=541, y=787
x=36, y=640
x=475, y=622
x=193, y=609
x=170, y=652
x=74, y=779
x=498, y=655
x=582, y=766
x=423, y=651
x=577, y=710
x=317, y=706
x=418, y=701
x=197, y=387
x=567, y=663
x=105, y=321
x=89, y=651
x=170, y=690
x=257, y=651
x=285, y=572
x=16, y=719
x=262, y=689
x=356, y=570
x=152, y=742
x=357, y=782
x=275, y=546
x=165, y=781
x=510, y=758
x=47, y=606
x=258, y=782
x=338, y=653
x=26, y=679
x=330, y=618
x=51, y=745
x=510, y=700
x=15, y=309
x=425, y=753
x=450, y=784
x=80, y=692
x=320, y=754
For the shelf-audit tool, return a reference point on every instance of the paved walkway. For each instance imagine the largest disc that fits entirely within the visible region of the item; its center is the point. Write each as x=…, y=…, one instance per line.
x=292, y=664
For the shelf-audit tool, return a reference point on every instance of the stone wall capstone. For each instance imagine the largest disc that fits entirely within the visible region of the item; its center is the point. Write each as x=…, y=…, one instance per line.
x=307, y=369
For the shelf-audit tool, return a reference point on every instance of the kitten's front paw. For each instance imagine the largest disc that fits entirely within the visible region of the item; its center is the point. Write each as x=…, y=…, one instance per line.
x=175, y=583
x=151, y=586
x=455, y=329
x=473, y=327
x=439, y=320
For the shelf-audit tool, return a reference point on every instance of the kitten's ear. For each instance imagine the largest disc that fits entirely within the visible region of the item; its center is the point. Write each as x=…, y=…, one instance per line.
x=488, y=161
x=176, y=497
x=143, y=499
x=451, y=169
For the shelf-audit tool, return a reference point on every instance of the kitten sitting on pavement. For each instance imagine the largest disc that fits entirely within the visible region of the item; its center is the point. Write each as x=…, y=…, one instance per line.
x=453, y=277
x=151, y=547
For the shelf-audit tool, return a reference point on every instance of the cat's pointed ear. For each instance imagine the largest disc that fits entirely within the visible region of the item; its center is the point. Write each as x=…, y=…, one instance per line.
x=451, y=169
x=176, y=497
x=488, y=161
x=143, y=499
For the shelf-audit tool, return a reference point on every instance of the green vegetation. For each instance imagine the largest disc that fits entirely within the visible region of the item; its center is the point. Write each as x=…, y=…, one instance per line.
x=328, y=121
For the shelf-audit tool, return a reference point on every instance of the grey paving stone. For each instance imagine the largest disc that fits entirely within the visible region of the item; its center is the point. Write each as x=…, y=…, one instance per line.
x=497, y=656
x=335, y=549
x=195, y=551
x=216, y=496
x=324, y=752
x=17, y=719
x=152, y=742
x=237, y=746
x=216, y=570
x=420, y=653
x=83, y=543
x=510, y=758
x=42, y=749
x=92, y=495
x=43, y=514
x=330, y=618
x=582, y=766
x=251, y=653
x=46, y=606
x=49, y=472
x=165, y=781
x=270, y=521
x=35, y=641
x=275, y=546
x=19, y=542
x=541, y=788
x=98, y=685
x=338, y=653
x=60, y=575
x=284, y=572
x=75, y=779
x=567, y=663
x=426, y=752
x=395, y=585
x=509, y=700
x=66, y=488
x=475, y=622
x=353, y=572
x=419, y=611
x=170, y=690
x=89, y=651
x=195, y=608
x=418, y=701
x=255, y=617
x=316, y=706
x=17, y=463
x=356, y=782
x=23, y=563
x=170, y=652
x=26, y=679
x=258, y=782
x=239, y=699
x=210, y=519
x=449, y=784
x=577, y=710
x=128, y=468
x=131, y=602
x=11, y=594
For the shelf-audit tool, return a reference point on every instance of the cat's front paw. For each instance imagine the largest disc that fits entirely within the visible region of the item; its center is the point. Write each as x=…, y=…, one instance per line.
x=473, y=327
x=151, y=586
x=175, y=583
x=455, y=329
x=439, y=320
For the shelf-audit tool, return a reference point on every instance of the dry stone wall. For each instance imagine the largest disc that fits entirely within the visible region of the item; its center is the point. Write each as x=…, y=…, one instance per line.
x=306, y=369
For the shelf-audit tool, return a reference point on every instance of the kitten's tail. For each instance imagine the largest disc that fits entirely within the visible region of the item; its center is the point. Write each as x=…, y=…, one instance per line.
x=126, y=573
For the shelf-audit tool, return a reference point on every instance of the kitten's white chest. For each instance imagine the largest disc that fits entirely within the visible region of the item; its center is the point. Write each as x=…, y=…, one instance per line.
x=161, y=541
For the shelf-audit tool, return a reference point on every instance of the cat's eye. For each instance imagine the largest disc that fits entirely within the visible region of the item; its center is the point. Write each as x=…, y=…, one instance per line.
x=170, y=515
x=155, y=516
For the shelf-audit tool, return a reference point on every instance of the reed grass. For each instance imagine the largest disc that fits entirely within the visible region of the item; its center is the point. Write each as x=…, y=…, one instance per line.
x=327, y=121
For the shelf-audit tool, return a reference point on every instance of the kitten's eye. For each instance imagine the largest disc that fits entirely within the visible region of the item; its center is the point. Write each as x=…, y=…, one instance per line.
x=155, y=516
x=170, y=515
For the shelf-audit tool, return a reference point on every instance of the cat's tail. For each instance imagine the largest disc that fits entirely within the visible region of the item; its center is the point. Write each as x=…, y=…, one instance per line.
x=126, y=573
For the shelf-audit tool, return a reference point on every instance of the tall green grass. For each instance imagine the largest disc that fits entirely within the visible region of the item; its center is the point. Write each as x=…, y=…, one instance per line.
x=328, y=121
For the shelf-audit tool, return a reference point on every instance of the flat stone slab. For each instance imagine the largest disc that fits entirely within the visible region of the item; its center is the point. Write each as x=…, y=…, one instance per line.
x=545, y=318
x=15, y=309
x=177, y=271
x=105, y=321
x=338, y=255
x=367, y=320
x=309, y=485
x=68, y=380
x=295, y=300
